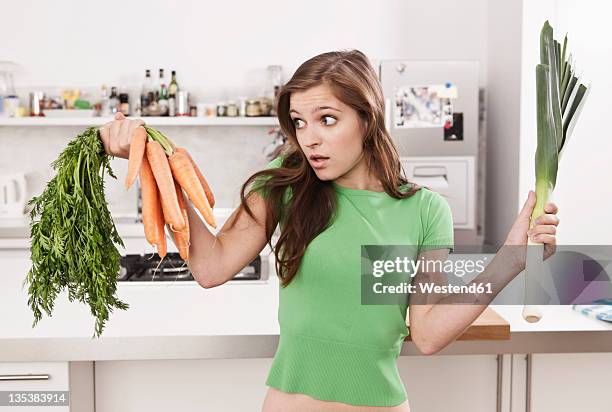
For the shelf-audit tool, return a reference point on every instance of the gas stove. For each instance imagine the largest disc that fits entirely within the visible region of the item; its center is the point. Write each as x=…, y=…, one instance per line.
x=147, y=268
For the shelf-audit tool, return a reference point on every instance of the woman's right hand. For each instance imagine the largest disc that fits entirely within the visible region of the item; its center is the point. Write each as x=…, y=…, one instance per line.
x=116, y=135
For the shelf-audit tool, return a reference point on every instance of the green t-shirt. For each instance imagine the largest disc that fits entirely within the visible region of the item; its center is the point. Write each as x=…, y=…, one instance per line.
x=332, y=347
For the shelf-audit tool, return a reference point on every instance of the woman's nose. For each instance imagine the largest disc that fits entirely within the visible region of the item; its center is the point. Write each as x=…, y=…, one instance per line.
x=312, y=145
x=312, y=140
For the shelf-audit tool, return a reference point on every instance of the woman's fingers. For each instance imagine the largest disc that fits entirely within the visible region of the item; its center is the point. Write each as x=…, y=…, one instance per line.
x=124, y=135
x=547, y=219
x=544, y=238
x=105, y=137
x=114, y=134
x=550, y=207
x=547, y=229
x=133, y=125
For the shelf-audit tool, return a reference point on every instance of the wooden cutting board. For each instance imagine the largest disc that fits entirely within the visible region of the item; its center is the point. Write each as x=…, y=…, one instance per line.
x=488, y=326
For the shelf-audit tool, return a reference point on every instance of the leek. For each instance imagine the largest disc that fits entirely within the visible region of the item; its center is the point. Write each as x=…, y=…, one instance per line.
x=560, y=97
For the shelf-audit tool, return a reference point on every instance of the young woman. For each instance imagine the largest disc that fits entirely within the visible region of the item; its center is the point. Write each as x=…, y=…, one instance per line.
x=338, y=185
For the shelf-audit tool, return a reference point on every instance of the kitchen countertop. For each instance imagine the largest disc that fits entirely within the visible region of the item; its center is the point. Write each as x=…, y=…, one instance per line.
x=593, y=336
x=235, y=320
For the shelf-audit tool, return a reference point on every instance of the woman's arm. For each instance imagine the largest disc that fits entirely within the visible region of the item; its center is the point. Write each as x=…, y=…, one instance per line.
x=213, y=260
x=436, y=321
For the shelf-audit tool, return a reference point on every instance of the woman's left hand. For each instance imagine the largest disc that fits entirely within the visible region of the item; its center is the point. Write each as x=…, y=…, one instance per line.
x=543, y=231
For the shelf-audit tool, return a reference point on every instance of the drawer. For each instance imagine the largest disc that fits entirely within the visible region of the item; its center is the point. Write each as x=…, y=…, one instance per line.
x=451, y=176
x=34, y=376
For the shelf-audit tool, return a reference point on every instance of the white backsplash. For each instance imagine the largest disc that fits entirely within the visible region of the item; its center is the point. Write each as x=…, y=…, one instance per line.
x=226, y=156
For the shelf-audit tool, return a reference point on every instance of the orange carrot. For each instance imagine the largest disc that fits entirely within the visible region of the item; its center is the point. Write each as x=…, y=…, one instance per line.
x=137, y=149
x=203, y=182
x=181, y=237
x=183, y=171
x=165, y=183
x=160, y=224
x=150, y=202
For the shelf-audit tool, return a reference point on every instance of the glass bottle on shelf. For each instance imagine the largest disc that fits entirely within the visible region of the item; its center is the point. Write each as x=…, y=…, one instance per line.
x=146, y=93
x=275, y=74
x=163, y=94
x=114, y=100
x=172, y=92
x=173, y=87
x=104, y=102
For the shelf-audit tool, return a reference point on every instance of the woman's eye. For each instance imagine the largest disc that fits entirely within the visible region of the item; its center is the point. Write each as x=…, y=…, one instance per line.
x=298, y=123
x=329, y=120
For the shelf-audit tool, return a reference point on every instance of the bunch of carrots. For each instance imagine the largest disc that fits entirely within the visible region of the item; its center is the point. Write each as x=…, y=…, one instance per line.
x=165, y=171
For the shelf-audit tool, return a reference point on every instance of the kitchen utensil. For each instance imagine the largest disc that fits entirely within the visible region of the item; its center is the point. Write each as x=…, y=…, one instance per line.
x=12, y=195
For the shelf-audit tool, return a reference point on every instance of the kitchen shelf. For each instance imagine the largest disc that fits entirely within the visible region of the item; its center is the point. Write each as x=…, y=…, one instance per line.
x=151, y=121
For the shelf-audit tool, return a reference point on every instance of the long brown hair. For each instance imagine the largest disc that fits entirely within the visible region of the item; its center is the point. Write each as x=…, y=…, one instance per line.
x=312, y=203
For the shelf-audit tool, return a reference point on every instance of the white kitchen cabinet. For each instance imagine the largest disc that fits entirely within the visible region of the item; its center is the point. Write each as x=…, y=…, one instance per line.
x=434, y=383
x=571, y=382
x=545, y=383
x=224, y=385
x=552, y=382
x=450, y=383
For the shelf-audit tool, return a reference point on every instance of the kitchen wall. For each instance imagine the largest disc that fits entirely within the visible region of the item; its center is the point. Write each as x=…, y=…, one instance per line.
x=221, y=46
x=504, y=21
x=583, y=191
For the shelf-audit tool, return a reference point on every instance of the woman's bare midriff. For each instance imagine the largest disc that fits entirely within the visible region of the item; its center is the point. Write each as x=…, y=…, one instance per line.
x=279, y=401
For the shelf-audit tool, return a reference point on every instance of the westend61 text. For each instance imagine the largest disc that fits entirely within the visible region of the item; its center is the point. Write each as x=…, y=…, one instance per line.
x=432, y=288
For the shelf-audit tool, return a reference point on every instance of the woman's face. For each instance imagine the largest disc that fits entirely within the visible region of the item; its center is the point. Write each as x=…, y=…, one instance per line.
x=329, y=132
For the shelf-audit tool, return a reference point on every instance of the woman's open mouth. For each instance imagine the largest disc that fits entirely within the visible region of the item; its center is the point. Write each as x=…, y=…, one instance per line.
x=318, y=161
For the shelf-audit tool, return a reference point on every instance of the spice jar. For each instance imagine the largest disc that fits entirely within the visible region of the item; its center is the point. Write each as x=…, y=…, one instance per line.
x=221, y=109
x=232, y=109
x=253, y=108
x=193, y=111
x=265, y=105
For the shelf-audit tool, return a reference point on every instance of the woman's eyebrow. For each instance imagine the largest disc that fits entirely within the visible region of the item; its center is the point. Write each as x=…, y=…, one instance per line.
x=317, y=109
x=326, y=107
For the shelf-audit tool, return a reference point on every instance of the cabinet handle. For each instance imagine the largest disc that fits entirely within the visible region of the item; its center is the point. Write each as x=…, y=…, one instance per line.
x=28, y=377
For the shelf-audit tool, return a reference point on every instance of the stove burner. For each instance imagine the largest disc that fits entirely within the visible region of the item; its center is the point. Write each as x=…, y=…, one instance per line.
x=139, y=268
